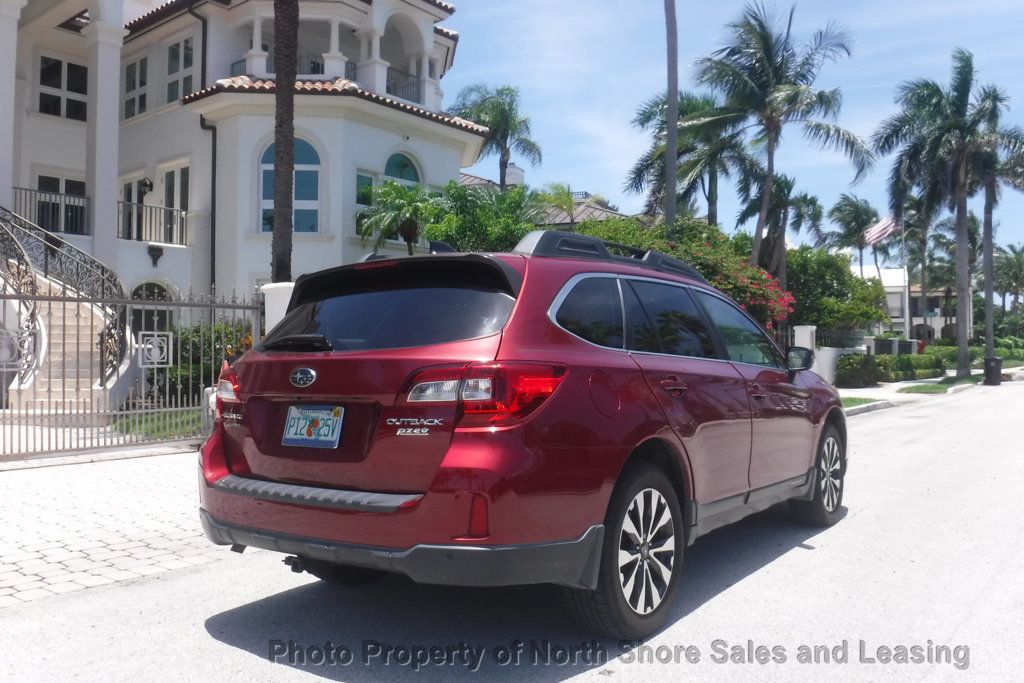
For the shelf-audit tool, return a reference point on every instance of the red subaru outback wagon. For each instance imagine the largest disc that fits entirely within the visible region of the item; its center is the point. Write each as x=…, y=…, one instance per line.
x=575, y=413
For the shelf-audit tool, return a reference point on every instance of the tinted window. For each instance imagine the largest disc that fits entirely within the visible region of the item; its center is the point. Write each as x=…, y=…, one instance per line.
x=593, y=311
x=744, y=340
x=400, y=316
x=673, y=315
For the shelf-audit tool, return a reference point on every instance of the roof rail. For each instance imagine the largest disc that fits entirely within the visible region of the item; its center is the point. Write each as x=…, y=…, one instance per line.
x=574, y=245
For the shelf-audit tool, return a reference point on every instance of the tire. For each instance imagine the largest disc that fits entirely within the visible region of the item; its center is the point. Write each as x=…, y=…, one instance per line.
x=829, y=483
x=607, y=609
x=342, y=574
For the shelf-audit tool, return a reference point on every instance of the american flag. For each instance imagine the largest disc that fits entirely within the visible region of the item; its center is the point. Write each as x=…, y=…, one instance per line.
x=880, y=230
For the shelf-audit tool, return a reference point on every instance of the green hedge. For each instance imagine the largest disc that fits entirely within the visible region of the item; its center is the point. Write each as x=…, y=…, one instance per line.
x=859, y=370
x=948, y=353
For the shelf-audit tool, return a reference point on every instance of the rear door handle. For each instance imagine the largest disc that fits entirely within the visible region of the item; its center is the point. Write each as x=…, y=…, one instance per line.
x=674, y=386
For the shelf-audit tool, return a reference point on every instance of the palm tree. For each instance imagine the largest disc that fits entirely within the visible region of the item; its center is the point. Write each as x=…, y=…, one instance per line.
x=672, y=106
x=788, y=211
x=853, y=216
x=560, y=196
x=508, y=129
x=396, y=211
x=993, y=171
x=1011, y=263
x=767, y=81
x=703, y=156
x=915, y=214
x=286, y=42
x=945, y=133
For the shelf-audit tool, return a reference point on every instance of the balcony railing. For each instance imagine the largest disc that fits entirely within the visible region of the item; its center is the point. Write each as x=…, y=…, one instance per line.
x=151, y=223
x=350, y=71
x=403, y=85
x=63, y=213
x=310, y=64
x=238, y=68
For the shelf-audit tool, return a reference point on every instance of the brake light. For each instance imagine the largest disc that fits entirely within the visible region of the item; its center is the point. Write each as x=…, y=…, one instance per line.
x=496, y=394
x=227, y=388
x=488, y=394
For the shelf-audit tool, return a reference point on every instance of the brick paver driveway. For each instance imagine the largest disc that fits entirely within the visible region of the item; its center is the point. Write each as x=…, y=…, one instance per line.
x=75, y=526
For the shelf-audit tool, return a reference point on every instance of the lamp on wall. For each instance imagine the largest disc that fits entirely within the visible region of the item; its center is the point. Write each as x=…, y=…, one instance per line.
x=146, y=185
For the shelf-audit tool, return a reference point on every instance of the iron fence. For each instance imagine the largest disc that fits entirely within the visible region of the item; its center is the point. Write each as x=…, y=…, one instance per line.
x=840, y=339
x=151, y=223
x=404, y=85
x=59, y=397
x=53, y=211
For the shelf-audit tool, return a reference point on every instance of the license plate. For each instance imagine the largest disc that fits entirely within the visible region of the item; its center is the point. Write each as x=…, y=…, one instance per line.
x=313, y=426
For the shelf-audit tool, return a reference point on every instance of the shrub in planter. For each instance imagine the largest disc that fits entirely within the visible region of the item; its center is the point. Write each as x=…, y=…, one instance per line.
x=856, y=370
x=886, y=368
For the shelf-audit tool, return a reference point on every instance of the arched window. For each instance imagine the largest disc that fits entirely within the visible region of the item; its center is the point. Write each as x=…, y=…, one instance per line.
x=306, y=194
x=400, y=167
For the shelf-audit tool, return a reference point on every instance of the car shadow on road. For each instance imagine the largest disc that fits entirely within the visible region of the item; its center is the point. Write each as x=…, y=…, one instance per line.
x=397, y=612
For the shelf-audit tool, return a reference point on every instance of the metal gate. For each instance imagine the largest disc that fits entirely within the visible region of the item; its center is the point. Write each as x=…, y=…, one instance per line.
x=83, y=371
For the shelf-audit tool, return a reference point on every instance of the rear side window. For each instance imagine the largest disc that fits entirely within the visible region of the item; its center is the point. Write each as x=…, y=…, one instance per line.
x=402, y=315
x=670, y=324
x=593, y=311
x=743, y=339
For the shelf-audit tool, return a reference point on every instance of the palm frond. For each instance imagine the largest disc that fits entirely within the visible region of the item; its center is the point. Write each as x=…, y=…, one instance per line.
x=838, y=138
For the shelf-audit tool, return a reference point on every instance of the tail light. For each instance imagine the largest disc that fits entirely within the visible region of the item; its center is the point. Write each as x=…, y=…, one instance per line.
x=488, y=394
x=227, y=389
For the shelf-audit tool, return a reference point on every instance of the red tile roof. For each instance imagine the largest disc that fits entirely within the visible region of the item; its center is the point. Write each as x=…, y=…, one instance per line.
x=162, y=12
x=447, y=32
x=339, y=87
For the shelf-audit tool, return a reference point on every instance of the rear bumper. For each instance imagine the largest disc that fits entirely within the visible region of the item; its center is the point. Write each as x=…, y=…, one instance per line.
x=572, y=563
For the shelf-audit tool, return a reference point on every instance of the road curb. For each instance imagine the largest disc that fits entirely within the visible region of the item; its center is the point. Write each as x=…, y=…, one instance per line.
x=868, y=408
x=58, y=460
x=957, y=388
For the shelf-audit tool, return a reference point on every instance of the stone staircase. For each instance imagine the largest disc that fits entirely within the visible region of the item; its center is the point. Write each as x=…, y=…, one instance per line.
x=69, y=373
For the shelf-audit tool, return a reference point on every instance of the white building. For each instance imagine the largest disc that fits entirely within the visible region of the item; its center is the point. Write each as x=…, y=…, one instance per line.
x=940, y=312
x=142, y=132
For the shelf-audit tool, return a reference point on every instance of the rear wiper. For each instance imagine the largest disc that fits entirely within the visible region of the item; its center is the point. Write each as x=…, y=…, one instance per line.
x=312, y=342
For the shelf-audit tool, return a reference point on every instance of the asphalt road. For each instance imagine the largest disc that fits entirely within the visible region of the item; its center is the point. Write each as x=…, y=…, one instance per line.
x=929, y=554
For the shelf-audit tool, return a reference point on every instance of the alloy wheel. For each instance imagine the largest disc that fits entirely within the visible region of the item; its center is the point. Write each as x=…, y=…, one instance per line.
x=647, y=551
x=830, y=476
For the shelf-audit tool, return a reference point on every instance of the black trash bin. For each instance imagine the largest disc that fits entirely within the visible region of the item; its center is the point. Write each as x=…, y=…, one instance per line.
x=993, y=371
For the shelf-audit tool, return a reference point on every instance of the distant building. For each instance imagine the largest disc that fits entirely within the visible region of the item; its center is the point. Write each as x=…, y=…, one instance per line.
x=939, y=314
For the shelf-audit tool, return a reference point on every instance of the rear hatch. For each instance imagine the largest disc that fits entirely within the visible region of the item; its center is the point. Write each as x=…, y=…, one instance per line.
x=325, y=397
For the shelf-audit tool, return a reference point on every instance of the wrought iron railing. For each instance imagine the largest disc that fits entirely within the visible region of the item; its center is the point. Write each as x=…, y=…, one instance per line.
x=404, y=85
x=53, y=211
x=16, y=275
x=151, y=223
x=309, y=64
x=57, y=260
x=238, y=68
x=350, y=71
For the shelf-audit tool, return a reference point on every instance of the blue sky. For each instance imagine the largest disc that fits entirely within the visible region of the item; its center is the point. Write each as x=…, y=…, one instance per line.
x=583, y=67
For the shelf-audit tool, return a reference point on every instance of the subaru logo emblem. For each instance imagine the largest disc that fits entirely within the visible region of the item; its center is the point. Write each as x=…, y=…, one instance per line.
x=303, y=377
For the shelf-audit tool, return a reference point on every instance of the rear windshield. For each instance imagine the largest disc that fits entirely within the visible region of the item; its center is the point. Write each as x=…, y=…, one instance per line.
x=399, y=316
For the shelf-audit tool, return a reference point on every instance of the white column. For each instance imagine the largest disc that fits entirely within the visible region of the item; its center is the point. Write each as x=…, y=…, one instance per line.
x=427, y=90
x=256, y=57
x=102, y=141
x=10, y=10
x=372, y=71
x=334, y=61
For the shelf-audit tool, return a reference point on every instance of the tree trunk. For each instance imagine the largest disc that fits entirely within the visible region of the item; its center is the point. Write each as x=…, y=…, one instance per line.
x=988, y=266
x=766, y=198
x=286, y=40
x=878, y=268
x=923, y=242
x=671, y=114
x=713, y=195
x=963, y=276
x=503, y=162
x=861, y=250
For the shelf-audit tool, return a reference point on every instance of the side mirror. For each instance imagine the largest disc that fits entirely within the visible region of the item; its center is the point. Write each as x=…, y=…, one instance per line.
x=799, y=358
